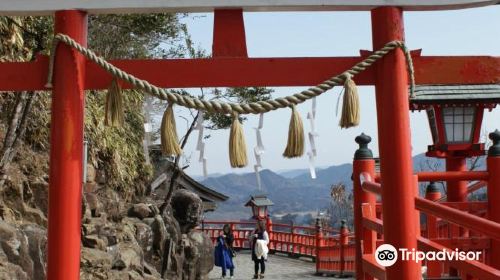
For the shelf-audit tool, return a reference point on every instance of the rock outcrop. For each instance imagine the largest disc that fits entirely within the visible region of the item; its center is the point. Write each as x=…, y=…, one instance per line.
x=142, y=243
x=22, y=251
x=119, y=240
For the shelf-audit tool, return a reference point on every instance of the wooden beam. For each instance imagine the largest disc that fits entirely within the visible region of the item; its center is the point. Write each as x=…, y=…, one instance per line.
x=372, y=268
x=373, y=224
x=239, y=72
x=46, y=7
x=474, y=268
x=465, y=243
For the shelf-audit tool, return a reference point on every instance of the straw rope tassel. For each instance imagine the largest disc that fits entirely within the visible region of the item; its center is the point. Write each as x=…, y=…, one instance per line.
x=113, y=115
x=169, y=142
x=350, y=105
x=295, y=143
x=237, y=145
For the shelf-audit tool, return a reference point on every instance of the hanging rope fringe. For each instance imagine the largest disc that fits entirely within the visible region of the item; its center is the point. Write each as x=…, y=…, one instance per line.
x=350, y=104
x=169, y=141
x=215, y=106
x=200, y=146
x=312, y=142
x=258, y=150
x=295, y=143
x=113, y=114
x=237, y=145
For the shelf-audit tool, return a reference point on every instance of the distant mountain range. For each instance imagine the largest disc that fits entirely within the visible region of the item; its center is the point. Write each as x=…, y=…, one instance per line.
x=291, y=173
x=288, y=194
x=292, y=190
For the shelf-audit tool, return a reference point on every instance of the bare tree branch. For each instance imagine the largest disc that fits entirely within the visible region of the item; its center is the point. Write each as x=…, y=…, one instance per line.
x=177, y=171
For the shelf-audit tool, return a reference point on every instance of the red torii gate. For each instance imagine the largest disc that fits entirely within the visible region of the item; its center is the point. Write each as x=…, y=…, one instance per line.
x=231, y=67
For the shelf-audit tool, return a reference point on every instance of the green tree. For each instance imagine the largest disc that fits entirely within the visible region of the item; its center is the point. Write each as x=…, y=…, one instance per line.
x=118, y=151
x=22, y=40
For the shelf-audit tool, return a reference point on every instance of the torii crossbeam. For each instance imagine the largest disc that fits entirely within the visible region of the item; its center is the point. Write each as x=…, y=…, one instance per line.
x=230, y=66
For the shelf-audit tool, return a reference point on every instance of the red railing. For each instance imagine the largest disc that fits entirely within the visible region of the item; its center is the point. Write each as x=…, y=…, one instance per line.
x=336, y=255
x=461, y=225
x=294, y=240
x=241, y=230
x=452, y=176
x=470, y=189
x=332, y=250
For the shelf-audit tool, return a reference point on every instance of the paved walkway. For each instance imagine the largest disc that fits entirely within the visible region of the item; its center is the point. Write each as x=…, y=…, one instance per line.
x=277, y=267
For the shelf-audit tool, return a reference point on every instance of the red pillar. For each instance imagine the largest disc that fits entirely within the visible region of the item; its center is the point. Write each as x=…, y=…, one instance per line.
x=456, y=190
x=66, y=142
x=365, y=239
x=394, y=141
x=229, y=38
x=432, y=193
x=493, y=163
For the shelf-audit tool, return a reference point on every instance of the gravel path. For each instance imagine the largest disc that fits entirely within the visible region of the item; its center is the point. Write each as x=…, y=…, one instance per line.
x=277, y=267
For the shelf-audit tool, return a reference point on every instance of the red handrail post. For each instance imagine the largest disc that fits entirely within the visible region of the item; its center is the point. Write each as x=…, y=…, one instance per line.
x=391, y=87
x=292, y=238
x=269, y=226
x=319, y=244
x=365, y=239
x=493, y=163
x=432, y=193
x=344, y=240
x=66, y=153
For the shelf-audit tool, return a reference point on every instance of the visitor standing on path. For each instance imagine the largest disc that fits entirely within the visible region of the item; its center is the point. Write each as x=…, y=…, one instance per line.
x=259, y=242
x=227, y=234
x=223, y=255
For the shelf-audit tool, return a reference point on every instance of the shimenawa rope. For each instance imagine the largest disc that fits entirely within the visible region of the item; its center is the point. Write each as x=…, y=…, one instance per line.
x=228, y=107
x=237, y=146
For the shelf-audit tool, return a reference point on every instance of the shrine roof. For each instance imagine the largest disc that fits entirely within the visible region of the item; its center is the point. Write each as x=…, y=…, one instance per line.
x=453, y=94
x=259, y=200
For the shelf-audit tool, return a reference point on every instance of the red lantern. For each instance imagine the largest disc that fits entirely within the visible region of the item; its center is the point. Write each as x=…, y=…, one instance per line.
x=259, y=204
x=455, y=114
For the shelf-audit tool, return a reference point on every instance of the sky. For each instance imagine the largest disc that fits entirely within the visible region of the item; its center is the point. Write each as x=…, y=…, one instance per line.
x=462, y=32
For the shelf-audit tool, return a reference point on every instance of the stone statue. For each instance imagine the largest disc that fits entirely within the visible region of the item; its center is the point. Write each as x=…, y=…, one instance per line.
x=187, y=209
x=193, y=248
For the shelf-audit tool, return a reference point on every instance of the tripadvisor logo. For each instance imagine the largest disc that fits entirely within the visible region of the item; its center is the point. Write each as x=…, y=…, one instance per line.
x=386, y=255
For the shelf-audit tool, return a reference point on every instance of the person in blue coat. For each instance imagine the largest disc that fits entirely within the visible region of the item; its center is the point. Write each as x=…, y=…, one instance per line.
x=223, y=252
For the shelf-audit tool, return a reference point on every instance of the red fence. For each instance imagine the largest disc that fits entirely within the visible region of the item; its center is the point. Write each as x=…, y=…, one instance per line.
x=461, y=225
x=471, y=226
x=336, y=255
x=333, y=251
